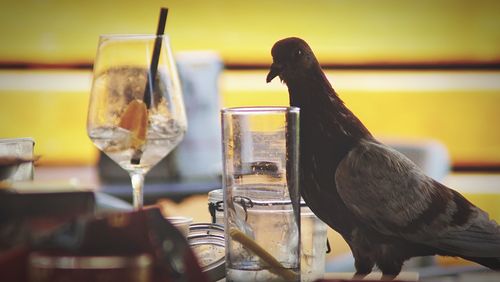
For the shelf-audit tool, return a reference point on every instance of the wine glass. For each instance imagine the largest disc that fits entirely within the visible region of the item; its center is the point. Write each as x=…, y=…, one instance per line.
x=136, y=113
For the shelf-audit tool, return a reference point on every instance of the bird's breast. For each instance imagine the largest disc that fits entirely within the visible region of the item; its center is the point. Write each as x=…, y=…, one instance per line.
x=321, y=152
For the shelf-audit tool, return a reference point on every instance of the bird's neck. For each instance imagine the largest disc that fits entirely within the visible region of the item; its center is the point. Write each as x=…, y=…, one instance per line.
x=322, y=108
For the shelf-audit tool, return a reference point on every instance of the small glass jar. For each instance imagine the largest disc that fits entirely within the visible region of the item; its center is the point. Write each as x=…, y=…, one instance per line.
x=16, y=159
x=216, y=206
x=313, y=236
x=314, y=245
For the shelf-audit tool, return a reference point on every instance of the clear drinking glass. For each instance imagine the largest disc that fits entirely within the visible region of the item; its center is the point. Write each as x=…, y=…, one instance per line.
x=261, y=196
x=16, y=159
x=136, y=112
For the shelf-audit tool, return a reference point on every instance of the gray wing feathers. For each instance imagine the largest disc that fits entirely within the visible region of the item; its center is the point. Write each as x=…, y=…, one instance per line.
x=387, y=191
x=381, y=185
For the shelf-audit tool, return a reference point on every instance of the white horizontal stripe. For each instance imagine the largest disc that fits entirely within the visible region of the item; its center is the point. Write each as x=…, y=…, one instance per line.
x=474, y=183
x=46, y=81
x=71, y=80
x=376, y=80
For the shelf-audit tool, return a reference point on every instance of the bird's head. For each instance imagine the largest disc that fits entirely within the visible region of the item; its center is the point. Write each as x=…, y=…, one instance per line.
x=292, y=57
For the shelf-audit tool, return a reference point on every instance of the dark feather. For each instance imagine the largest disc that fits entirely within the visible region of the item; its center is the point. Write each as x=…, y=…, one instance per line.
x=382, y=204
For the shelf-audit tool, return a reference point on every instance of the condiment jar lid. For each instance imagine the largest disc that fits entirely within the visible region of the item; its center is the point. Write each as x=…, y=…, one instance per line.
x=207, y=242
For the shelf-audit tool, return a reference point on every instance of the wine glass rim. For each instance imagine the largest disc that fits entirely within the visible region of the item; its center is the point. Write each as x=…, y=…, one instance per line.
x=132, y=36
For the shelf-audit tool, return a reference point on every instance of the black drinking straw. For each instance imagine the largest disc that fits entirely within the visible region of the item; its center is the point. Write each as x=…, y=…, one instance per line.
x=153, y=69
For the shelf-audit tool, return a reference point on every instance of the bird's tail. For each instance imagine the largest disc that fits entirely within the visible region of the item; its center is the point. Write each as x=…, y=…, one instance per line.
x=479, y=242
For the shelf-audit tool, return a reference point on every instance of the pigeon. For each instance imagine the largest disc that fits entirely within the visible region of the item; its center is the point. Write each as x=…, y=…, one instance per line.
x=385, y=207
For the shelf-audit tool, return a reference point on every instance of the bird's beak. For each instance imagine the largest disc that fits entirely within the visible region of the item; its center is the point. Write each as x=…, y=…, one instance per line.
x=274, y=71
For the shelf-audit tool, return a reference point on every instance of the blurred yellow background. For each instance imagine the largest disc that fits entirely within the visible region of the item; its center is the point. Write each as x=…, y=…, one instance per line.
x=416, y=69
x=341, y=32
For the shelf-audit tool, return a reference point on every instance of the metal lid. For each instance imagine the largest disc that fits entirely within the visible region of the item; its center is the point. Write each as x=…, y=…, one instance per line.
x=207, y=242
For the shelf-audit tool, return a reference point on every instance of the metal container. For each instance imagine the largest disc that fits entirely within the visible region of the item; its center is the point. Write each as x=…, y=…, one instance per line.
x=207, y=242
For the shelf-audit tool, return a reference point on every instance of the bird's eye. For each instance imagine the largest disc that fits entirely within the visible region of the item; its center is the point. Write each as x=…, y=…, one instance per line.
x=297, y=54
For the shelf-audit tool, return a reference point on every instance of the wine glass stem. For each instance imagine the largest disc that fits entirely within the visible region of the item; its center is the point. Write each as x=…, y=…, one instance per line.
x=137, y=185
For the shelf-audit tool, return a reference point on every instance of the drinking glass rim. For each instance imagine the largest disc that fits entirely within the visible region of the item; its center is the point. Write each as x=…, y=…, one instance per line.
x=16, y=140
x=260, y=110
x=132, y=36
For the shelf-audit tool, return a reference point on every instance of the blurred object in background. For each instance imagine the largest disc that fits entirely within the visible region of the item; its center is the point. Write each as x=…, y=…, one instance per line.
x=193, y=206
x=27, y=216
x=53, y=267
x=164, y=171
x=199, y=155
x=16, y=159
x=124, y=237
